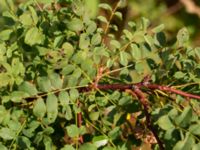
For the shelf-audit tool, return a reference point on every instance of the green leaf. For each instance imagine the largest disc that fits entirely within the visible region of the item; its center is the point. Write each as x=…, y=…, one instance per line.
x=149, y=39
x=4, y=79
x=158, y=28
x=30, y=131
x=109, y=148
x=82, y=130
x=87, y=64
x=132, y=24
x=68, y=69
x=18, y=96
x=109, y=63
x=2, y=113
x=68, y=48
x=142, y=67
x=114, y=133
x=68, y=112
x=195, y=129
x=7, y=134
x=182, y=36
x=88, y=146
x=44, y=84
x=68, y=147
x=126, y=100
x=24, y=142
x=42, y=50
x=10, y=5
x=64, y=98
x=14, y=125
x=123, y=58
x=26, y=19
x=92, y=6
x=48, y=130
x=185, y=144
x=119, y=15
x=2, y=147
x=136, y=52
x=72, y=81
x=165, y=123
x=179, y=75
x=96, y=39
x=33, y=14
x=196, y=146
x=145, y=23
x=34, y=36
x=28, y=88
x=78, y=8
x=74, y=94
x=100, y=140
x=115, y=43
x=56, y=80
x=10, y=15
x=115, y=28
x=105, y=6
x=5, y=34
x=72, y=131
x=58, y=41
x=79, y=57
x=184, y=119
x=47, y=143
x=39, y=108
x=159, y=39
x=102, y=19
x=91, y=27
x=77, y=73
x=128, y=34
x=84, y=41
x=52, y=107
x=75, y=24
x=94, y=115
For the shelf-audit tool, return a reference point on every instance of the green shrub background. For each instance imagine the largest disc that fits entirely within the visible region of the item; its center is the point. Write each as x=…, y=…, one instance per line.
x=50, y=51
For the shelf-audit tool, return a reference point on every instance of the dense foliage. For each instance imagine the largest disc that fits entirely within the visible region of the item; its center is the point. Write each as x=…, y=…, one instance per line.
x=67, y=83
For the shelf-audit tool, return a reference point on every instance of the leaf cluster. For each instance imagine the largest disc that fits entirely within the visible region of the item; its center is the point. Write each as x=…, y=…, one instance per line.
x=48, y=50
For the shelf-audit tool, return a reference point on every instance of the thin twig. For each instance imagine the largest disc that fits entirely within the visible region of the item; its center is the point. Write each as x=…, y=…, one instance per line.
x=109, y=20
x=111, y=16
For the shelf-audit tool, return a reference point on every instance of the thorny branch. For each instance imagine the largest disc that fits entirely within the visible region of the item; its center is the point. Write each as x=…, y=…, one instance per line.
x=145, y=105
x=123, y=87
x=136, y=90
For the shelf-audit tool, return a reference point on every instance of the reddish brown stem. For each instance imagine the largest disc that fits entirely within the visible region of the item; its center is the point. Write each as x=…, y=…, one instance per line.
x=169, y=89
x=123, y=87
x=79, y=122
x=147, y=85
x=79, y=117
x=144, y=103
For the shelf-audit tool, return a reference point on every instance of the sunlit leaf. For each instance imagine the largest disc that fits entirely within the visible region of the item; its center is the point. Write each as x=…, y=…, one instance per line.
x=72, y=131
x=105, y=6
x=165, y=123
x=39, y=108
x=52, y=107
x=33, y=36
x=182, y=36
x=7, y=134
